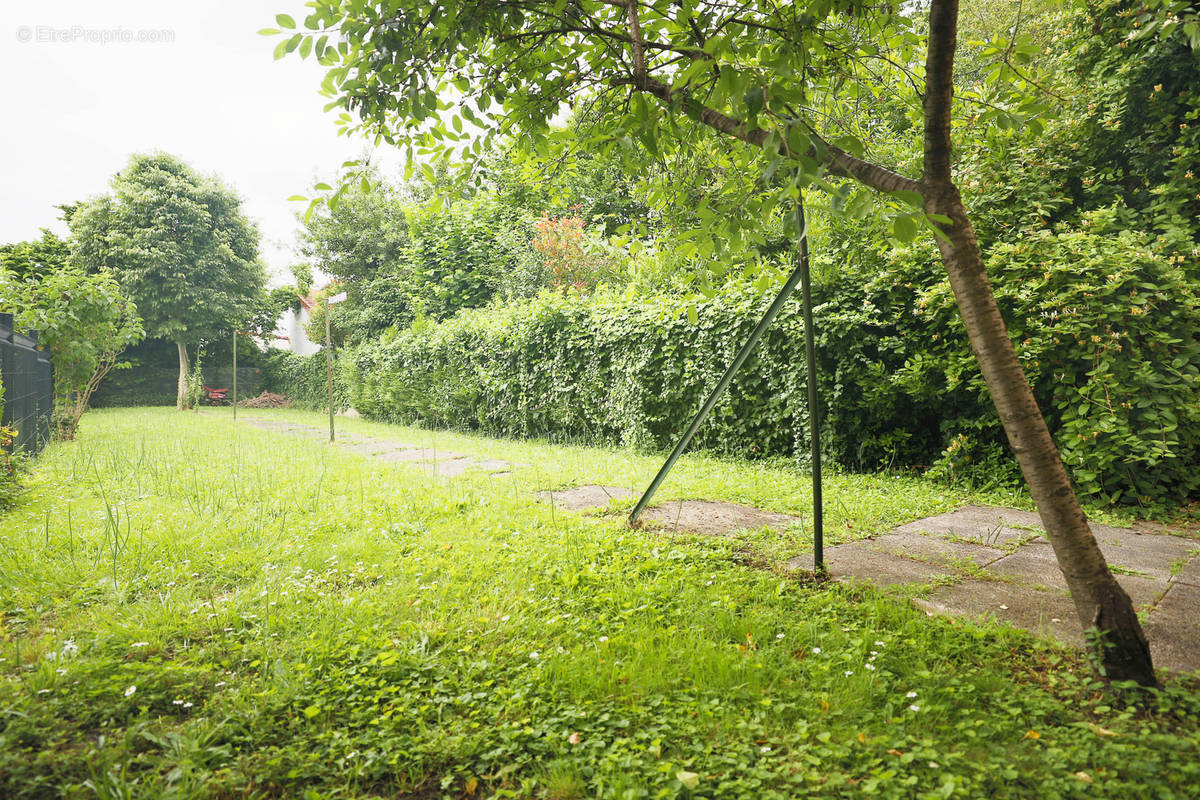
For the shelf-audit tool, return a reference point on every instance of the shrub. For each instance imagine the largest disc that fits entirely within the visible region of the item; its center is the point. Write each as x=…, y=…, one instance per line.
x=303, y=380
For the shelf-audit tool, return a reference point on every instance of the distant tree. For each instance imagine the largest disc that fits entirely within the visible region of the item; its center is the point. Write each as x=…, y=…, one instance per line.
x=36, y=257
x=180, y=247
x=84, y=321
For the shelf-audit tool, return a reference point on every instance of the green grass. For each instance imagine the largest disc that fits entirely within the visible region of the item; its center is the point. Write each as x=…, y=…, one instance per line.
x=194, y=609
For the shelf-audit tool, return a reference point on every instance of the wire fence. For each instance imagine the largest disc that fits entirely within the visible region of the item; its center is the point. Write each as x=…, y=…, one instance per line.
x=28, y=381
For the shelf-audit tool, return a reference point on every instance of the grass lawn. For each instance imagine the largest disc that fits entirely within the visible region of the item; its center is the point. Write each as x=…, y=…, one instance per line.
x=194, y=609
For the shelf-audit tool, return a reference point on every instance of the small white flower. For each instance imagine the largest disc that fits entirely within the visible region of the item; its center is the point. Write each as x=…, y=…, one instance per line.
x=878, y=644
x=914, y=708
x=504, y=618
x=869, y=666
x=534, y=655
x=130, y=690
x=816, y=651
x=219, y=683
x=603, y=639
x=188, y=705
x=177, y=702
x=779, y=636
x=911, y=695
x=708, y=583
x=43, y=691
x=848, y=673
x=61, y=671
x=765, y=749
x=139, y=644
x=934, y=765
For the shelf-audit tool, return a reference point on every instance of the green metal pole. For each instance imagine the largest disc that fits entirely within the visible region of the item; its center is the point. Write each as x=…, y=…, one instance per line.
x=800, y=273
x=329, y=366
x=235, y=375
x=814, y=407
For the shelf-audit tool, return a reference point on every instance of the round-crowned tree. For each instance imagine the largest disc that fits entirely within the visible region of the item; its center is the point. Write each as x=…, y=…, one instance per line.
x=181, y=248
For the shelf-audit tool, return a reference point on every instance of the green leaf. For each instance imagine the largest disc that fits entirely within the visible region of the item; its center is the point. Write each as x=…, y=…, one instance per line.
x=312, y=711
x=904, y=229
x=323, y=187
x=269, y=32
x=285, y=21
x=298, y=198
x=690, y=780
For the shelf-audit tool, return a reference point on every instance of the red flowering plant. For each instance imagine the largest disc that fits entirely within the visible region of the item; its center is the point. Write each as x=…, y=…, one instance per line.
x=571, y=257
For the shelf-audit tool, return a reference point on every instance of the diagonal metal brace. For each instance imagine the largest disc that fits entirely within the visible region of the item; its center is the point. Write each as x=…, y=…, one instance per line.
x=799, y=276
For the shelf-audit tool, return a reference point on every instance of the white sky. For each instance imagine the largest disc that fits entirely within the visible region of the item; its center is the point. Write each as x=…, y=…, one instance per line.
x=74, y=111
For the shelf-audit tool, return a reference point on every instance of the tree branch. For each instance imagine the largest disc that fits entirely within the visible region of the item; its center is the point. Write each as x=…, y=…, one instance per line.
x=939, y=90
x=836, y=160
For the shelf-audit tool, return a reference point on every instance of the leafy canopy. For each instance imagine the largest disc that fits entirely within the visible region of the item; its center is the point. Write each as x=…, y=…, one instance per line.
x=179, y=245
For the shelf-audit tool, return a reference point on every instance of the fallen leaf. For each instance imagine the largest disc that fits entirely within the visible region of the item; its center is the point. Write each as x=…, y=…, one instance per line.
x=472, y=785
x=1083, y=776
x=862, y=737
x=894, y=752
x=1096, y=729
x=573, y=738
x=1031, y=734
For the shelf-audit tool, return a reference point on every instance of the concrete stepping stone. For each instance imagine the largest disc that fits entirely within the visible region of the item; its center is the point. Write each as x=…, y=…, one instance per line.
x=581, y=498
x=1173, y=630
x=930, y=547
x=1049, y=613
x=713, y=518
x=853, y=561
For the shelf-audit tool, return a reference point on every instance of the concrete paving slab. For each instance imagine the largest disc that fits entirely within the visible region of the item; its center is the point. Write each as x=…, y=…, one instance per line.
x=1190, y=574
x=853, y=561
x=930, y=547
x=1035, y=565
x=983, y=525
x=712, y=518
x=580, y=498
x=1048, y=613
x=1149, y=553
x=1173, y=630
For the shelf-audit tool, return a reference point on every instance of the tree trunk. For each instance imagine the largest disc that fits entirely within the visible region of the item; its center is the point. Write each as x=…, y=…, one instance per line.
x=1099, y=600
x=181, y=394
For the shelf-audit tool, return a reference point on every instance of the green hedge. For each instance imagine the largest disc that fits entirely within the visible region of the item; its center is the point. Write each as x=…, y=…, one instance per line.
x=1106, y=328
x=304, y=380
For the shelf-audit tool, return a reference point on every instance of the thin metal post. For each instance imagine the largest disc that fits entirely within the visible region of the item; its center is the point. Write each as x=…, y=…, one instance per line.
x=329, y=365
x=798, y=274
x=235, y=375
x=814, y=407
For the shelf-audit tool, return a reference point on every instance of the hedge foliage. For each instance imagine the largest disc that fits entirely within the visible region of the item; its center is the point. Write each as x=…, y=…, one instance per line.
x=304, y=380
x=1105, y=325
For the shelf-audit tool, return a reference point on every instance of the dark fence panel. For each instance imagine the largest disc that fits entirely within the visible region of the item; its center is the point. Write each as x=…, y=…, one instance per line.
x=28, y=386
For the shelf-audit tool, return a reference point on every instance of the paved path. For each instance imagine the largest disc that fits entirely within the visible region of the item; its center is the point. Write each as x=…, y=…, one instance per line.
x=996, y=562
x=442, y=463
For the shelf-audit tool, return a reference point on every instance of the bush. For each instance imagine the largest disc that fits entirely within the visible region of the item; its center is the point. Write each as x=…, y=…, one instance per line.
x=1106, y=328
x=304, y=380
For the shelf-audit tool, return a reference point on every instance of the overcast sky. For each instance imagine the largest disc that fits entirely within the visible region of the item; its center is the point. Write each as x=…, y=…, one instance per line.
x=206, y=89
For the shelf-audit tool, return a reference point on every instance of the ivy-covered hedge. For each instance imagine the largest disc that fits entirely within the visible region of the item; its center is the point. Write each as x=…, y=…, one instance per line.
x=304, y=380
x=1106, y=328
